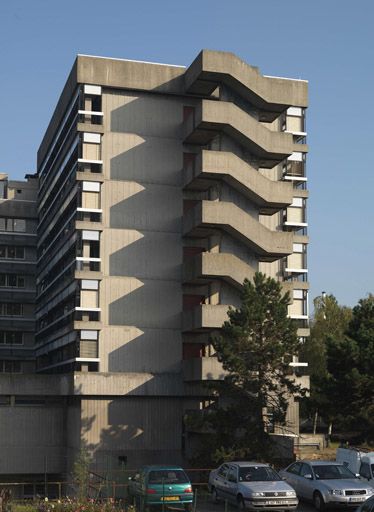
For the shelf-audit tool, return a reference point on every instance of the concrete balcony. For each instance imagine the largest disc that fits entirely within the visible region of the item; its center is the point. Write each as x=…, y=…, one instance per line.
x=80, y=325
x=88, y=274
x=211, y=117
x=208, y=265
x=271, y=94
x=208, y=216
x=202, y=368
x=204, y=317
x=270, y=196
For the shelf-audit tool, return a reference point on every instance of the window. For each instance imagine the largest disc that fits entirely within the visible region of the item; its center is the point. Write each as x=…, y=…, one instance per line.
x=16, y=225
x=10, y=366
x=232, y=475
x=295, y=468
x=258, y=474
x=3, y=189
x=222, y=472
x=305, y=470
x=19, y=253
x=12, y=281
x=25, y=400
x=19, y=225
x=4, y=400
x=10, y=309
x=365, y=470
x=332, y=472
x=11, y=338
x=11, y=252
x=165, y=476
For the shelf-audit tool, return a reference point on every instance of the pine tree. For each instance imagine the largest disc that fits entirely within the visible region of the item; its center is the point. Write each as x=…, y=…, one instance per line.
x=255, y=347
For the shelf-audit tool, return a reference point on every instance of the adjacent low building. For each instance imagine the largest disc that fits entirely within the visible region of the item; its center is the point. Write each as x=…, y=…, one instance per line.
x=160, y=188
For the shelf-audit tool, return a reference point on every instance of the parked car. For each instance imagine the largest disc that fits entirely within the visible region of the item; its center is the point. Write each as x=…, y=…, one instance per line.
x=251, y=485
x=367, y=506
x=326, y=484
x=158, y=485
x=358, y=461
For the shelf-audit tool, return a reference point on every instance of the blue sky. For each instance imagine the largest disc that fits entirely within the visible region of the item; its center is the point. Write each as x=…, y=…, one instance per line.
x=328, y=42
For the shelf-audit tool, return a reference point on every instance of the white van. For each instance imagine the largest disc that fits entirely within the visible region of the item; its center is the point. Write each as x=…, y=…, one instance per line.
x=358, y=461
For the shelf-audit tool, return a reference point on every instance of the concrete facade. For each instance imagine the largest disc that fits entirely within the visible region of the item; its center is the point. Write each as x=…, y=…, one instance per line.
x=160, y=189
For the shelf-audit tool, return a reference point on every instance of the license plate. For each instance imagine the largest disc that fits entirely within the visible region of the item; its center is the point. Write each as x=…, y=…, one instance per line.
x=276, y=502
x=169, y=498
x=357, y=499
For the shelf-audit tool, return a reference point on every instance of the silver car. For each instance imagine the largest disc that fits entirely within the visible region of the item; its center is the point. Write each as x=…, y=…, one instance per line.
x=326, y=484
x=251, y=485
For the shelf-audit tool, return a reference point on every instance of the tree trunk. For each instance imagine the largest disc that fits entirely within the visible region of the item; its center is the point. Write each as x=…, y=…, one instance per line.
x=315, y=422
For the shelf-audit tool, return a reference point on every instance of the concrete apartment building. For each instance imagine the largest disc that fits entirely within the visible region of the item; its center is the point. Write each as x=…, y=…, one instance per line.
x=18, y=223
x=160, y=188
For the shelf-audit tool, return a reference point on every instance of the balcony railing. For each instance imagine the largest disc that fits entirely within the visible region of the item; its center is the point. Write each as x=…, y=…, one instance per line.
x=88, y=264
x=90, y=117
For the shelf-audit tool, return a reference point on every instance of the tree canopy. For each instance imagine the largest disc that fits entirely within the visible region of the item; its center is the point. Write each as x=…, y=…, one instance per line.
x=340, y=353
x=350, y=374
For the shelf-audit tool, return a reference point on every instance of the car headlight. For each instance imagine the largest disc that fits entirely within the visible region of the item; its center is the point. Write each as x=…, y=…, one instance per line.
x=336, y=492
x=369, y=491
x=291, y=494
x=258, y=494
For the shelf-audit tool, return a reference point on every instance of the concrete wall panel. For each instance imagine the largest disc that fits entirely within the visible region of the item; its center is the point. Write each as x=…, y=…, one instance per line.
x=143, y=430
x=130, y=349
x=142, y=254
x=30, y=437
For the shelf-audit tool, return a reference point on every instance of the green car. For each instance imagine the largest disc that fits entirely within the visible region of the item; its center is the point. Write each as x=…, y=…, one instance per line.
x=161, y=486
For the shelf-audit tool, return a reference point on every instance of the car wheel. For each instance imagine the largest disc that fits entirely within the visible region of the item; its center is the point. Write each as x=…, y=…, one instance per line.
x=240, y=502
x=318, y=501
x=215, y=497
x=188, y=507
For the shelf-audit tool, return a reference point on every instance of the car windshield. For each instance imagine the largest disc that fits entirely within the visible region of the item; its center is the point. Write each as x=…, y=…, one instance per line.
x=168, y=476
x=258, y=474
x=332, y=472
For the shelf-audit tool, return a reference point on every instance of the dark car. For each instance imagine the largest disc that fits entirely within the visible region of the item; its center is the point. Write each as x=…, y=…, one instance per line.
x=161, y=485
x=367, y=506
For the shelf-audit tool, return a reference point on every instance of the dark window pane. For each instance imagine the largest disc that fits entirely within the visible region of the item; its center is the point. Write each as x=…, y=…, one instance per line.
x=12, y=280
x=19, y=252
x=8, y=366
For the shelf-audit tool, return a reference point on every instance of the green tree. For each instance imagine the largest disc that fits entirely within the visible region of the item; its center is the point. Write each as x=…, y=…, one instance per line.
x=255, y=348
x=330, y=322
x=350, y=374
x=81, y=473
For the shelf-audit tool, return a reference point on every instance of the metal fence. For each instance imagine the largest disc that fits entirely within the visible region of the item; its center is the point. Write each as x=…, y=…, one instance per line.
x=104, y=486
